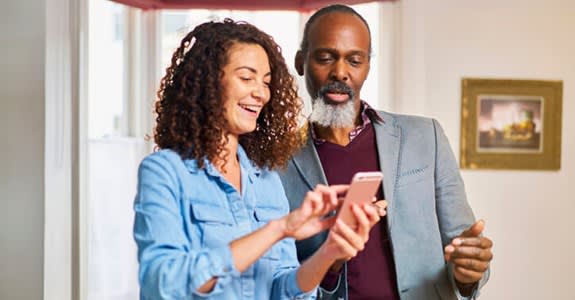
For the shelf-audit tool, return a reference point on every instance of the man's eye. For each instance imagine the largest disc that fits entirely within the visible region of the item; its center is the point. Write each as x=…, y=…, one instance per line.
x=355, y=61
x=324, y=59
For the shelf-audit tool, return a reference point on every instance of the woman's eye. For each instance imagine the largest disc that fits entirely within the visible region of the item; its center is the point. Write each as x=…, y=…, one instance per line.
x=245, y=78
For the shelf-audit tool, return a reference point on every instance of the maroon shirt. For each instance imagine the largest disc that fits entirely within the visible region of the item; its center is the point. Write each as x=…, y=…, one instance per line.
x=371, y=274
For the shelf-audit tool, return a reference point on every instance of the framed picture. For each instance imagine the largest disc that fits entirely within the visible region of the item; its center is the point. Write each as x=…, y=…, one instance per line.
x=511, y=124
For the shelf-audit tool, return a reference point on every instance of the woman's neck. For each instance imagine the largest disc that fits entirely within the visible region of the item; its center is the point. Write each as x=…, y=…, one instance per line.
x=229, y=165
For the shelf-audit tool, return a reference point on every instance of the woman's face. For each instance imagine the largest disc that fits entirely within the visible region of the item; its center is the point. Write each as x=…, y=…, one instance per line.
x=245, y=86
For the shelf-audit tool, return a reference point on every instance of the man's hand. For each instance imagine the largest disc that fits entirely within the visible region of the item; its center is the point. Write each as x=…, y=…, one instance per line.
x=470, y=255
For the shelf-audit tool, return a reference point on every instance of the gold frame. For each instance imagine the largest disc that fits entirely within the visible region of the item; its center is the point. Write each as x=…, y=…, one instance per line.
x=543, y=153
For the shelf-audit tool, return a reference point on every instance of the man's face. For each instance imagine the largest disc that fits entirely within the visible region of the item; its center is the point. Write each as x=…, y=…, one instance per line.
x=337, y=61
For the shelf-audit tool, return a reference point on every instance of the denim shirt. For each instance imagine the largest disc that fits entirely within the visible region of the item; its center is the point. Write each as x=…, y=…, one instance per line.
x=186, y=218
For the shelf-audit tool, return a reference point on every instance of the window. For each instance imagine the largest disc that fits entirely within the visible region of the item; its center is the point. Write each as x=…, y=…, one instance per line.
x=282, y=25
x=106, y=69
x=112, y=157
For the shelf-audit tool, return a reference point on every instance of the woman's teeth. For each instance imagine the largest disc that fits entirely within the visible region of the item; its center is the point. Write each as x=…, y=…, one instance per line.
x=251, y=108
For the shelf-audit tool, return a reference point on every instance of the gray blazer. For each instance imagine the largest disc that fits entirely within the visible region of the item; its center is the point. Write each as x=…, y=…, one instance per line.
x=427, y=203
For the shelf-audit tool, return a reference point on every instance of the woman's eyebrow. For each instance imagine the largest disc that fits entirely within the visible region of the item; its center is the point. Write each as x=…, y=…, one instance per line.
x=251, y=70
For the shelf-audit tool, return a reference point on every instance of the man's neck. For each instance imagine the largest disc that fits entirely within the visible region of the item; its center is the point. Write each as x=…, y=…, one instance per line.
x=339, y=136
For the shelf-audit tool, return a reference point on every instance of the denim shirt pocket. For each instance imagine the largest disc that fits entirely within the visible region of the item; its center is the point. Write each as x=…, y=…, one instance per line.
x=214, y=222
x=263, y=215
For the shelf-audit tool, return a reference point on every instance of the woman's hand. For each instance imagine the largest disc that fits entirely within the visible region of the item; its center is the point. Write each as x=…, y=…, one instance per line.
x=308, y=219
x=343, y=242
x=380, y=206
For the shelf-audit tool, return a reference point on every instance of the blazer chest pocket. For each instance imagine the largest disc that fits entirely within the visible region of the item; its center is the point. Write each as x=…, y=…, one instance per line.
x=414, y=175
x=214, y=222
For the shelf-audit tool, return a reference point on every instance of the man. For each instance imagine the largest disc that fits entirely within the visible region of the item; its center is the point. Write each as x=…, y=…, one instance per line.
x=428, y=246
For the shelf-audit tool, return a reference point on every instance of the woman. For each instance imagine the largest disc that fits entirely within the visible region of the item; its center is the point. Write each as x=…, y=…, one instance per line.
x=212, y=220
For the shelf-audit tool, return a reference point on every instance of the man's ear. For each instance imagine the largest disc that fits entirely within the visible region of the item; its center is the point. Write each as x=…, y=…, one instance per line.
x=298, y=62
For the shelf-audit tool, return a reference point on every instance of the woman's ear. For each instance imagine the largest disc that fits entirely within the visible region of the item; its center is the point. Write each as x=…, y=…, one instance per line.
x=298, y=62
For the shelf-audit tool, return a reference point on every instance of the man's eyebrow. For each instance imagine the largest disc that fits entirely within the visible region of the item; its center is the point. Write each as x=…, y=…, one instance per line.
x=358, y=52
x=324, y=50
x=348, y=53
x=252, y=70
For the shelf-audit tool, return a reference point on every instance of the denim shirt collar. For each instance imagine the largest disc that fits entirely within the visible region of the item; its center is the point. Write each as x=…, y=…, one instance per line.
x=245, y=163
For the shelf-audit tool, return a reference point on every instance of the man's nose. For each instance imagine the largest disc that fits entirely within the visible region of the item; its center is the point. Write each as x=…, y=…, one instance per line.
x=339, y=71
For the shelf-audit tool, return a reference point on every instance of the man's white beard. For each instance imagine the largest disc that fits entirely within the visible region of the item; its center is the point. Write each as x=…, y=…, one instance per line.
x=333, y=115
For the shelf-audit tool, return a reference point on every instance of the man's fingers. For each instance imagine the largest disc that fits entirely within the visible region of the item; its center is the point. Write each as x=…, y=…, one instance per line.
x=481, y=242
x=471, y=264
x=472, y=253
x=474, y=230
x=464, y=275
x=448, y=250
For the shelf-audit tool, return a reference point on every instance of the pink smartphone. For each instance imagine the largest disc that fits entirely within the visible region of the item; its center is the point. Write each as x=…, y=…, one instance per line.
x=363, y=188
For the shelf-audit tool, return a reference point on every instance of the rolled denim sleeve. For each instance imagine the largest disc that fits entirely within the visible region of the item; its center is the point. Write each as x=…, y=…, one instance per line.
x=285, y=284
x=169, y=268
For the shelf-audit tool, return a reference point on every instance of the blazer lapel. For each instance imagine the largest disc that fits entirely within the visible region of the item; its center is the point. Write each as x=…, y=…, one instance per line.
x=308, y=164
x=388, y=137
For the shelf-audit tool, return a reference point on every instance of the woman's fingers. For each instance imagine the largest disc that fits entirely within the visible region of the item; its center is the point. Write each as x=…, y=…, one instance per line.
x=344, y=248
x=328, y=196
x=340, y=188
x=373, y=213
x=381, y=207
x=366, y=218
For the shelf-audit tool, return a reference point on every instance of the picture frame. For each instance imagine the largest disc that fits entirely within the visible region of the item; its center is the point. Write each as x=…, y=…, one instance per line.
x=511, y=124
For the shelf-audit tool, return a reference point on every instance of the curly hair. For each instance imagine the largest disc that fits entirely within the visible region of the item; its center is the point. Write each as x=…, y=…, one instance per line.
x=190, y=111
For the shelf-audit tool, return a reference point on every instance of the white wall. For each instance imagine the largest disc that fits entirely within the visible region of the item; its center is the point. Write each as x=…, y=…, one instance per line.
x=22, y=51
x=529, y=215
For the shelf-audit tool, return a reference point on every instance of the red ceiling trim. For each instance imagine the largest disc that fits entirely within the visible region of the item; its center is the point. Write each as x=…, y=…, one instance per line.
x=301, y=5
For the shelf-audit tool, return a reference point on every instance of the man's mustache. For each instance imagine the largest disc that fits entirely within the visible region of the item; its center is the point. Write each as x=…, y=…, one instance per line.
x=335, y=86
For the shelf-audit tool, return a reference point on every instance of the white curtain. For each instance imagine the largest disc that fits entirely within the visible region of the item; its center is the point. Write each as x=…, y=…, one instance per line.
x=112, y=261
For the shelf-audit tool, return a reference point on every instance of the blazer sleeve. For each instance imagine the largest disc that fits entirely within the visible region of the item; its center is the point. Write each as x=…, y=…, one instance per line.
x=453, y=211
